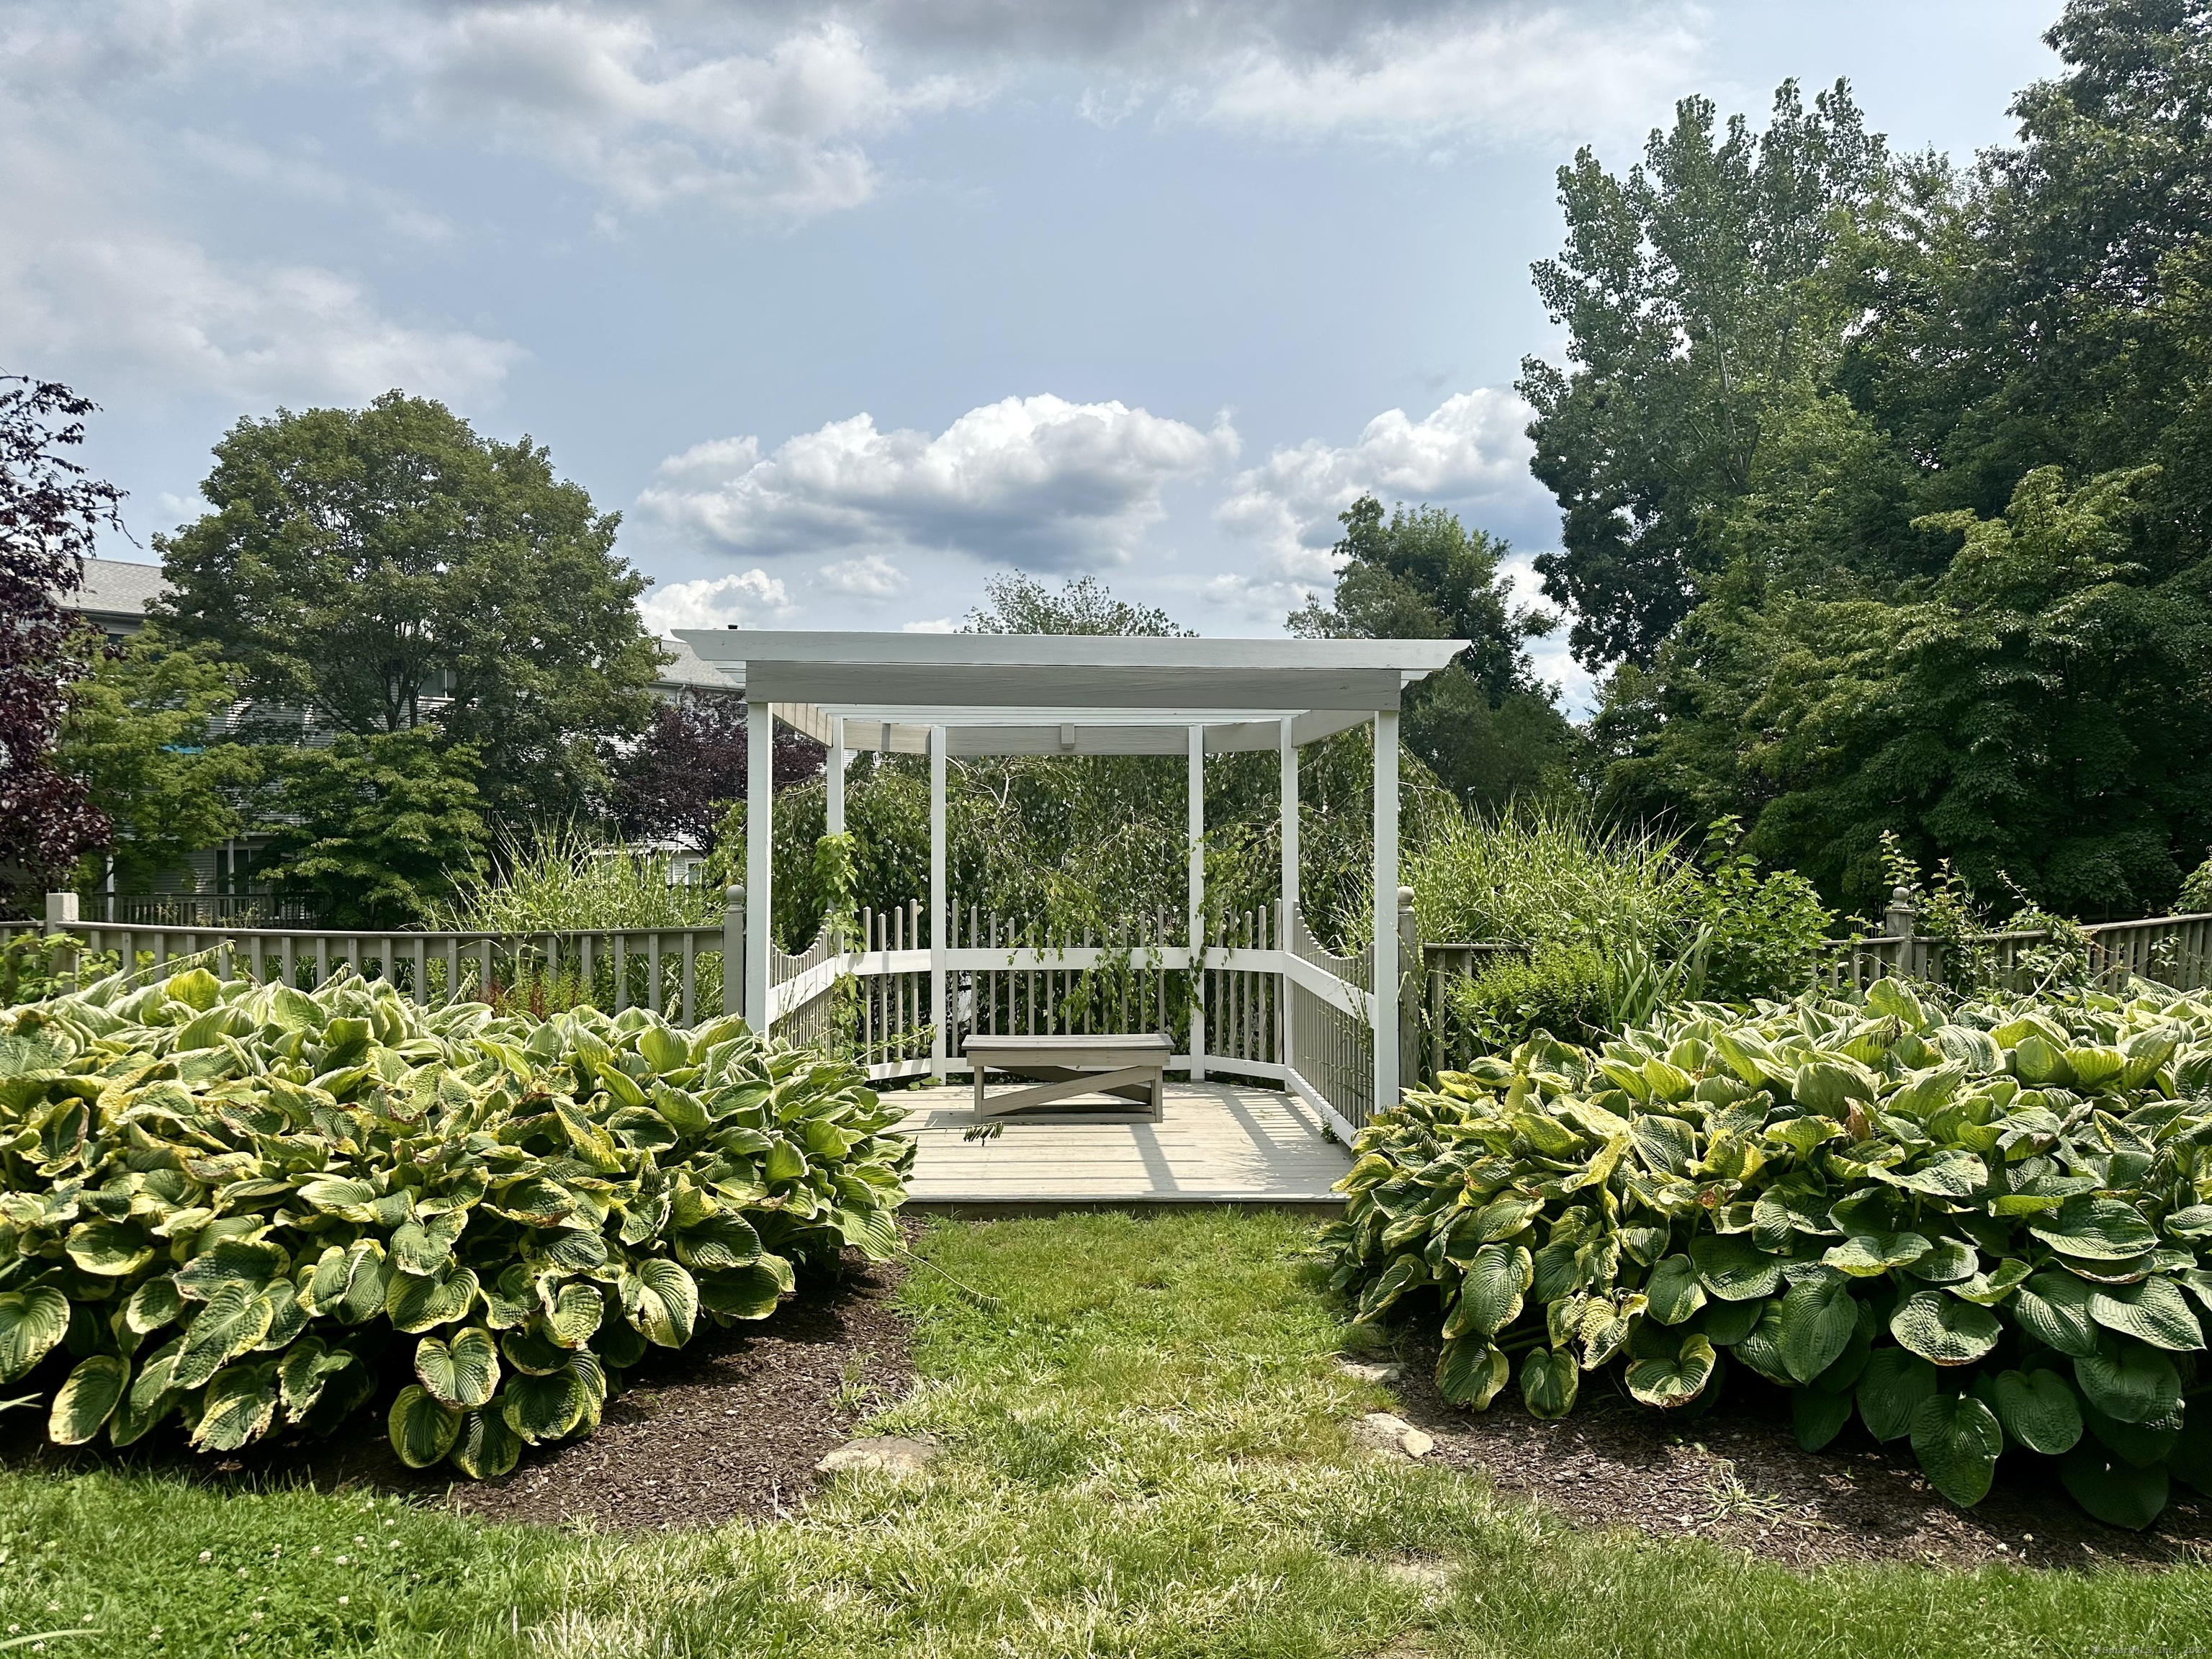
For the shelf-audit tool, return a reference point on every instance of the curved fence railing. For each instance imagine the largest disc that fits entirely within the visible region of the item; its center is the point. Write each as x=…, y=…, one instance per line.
x=1262, y=998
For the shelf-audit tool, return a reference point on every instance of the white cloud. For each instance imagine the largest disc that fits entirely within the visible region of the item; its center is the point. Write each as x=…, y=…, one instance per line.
x=934, y=625
x=871, y=576
x=103, y=278
x=1471, y=451
x=653, y=121
x=746, y=599
x=1542, y=74
x=1037, y=482
x=96, y=285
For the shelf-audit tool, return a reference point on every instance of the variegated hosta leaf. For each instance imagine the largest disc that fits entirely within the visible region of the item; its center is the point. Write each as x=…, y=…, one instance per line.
x=667, y=1303
x=232, y=1321
x=153, y=1304
x=303, y=1373
x=422, y=1429
x=87, y=1399
x=512, y=1302
x=574, y=1315
x=464, y=1373
x=748, y=1292
x=576, y=1249
x=532, y=1352
x=239, y=1405
x=486, y=1448
x=425, y=1248
x=31, y=1322
x=717, y=1243
x=230, y=1262
x=111, y=1249
x=545, y=1407
x=416, y=1305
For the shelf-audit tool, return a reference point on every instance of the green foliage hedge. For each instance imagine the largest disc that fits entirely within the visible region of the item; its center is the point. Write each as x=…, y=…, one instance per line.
x=1985, y=1228
x=242, y=1206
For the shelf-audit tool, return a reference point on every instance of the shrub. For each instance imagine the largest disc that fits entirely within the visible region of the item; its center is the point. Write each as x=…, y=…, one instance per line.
x=1546, y=872
x=1981, y=1227
x=1556, y=988
x=564, y=878
x=1546, y=875
x=2196, y=895
x=242, y=1205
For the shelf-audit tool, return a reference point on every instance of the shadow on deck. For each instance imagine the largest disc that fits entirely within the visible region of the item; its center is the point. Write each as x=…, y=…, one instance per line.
x=1219, y=1144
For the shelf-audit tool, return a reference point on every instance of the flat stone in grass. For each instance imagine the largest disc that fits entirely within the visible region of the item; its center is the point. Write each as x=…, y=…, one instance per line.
x=1386, y=1436
x=1366, y=1370
x=885, y=1454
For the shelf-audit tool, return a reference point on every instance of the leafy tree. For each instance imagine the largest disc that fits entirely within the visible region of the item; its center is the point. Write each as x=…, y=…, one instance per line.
x=1952, y=587
x=138, y=734
x=678, y=782
x=2041, y=719
x=51, y=510
x=373, y=831
x=1485, y=726
x=1701, y=309
x=387, y=567
x=1020, y=603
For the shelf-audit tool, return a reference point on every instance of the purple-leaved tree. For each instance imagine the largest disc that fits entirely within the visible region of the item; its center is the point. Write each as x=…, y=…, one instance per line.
x=678, y=782
x=50, y=511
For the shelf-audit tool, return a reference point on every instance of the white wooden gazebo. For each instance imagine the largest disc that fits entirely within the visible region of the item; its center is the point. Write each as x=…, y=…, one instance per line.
x=944, y=694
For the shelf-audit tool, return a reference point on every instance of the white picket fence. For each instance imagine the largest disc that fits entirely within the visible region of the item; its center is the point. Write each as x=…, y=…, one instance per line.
x=1242, y=1005
x=676, y=972
x=2174, y=950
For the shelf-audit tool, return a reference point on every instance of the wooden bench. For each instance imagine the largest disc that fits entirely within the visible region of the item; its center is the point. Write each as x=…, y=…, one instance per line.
x=1132, y=1068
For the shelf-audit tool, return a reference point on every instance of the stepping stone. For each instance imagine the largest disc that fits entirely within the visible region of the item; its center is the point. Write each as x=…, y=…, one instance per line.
x=1386, y=1436
x=888, y=1454
x=1361, y=1370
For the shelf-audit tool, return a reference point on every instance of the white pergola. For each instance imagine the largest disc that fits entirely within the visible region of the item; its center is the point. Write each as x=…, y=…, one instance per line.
x=941, y=695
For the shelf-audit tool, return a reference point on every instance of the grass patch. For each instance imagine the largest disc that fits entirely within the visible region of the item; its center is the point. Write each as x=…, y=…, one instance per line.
x=1141, y=1458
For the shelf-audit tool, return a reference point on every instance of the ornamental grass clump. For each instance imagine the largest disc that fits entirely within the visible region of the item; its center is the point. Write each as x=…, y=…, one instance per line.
x=1983, y=1228
x=245, y=1209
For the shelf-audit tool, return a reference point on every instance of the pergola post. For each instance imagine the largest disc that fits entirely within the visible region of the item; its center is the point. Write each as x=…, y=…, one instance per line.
x=760, y=849
x=837, y=780
x=1289, y=744
x=1386, y=909
x=1197, y=918
x=939, y=1047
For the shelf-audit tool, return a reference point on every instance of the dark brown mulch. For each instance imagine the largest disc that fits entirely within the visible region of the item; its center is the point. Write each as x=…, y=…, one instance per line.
x=1737, y=1476
x=730, y=1427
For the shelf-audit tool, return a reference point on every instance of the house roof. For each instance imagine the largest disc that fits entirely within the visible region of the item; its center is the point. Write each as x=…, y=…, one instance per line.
x=119, y=589
x=688, y=672
x=1016, y=694
x=116, y=588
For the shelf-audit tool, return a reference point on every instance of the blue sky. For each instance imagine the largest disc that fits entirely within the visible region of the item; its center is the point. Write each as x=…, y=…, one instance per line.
x=845, y=307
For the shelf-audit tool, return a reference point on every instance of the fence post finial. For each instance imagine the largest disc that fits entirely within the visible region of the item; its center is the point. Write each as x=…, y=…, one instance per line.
x=1896, y=921
x=61, y=910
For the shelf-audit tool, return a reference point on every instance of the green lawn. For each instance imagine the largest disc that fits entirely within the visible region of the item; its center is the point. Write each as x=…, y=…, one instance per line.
x=1142, y=1459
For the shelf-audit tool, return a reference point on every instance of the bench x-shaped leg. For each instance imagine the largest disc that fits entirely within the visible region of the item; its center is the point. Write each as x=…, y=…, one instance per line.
x=1150, y=1077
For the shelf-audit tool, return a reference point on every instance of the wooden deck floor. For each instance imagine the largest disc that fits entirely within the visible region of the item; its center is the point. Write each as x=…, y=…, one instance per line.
x=1219, y=1143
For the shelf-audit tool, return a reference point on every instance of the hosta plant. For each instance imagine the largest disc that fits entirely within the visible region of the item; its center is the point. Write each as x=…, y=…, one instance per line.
x=239, y=1209
x=1982, y=1227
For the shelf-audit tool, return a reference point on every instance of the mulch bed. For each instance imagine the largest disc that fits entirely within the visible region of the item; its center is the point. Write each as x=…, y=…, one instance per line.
x=1736, y=1475
x=727, y=1428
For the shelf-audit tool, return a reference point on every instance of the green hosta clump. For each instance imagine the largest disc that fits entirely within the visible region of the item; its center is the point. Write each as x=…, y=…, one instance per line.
x=242, y=1207
x=1981, y=1228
